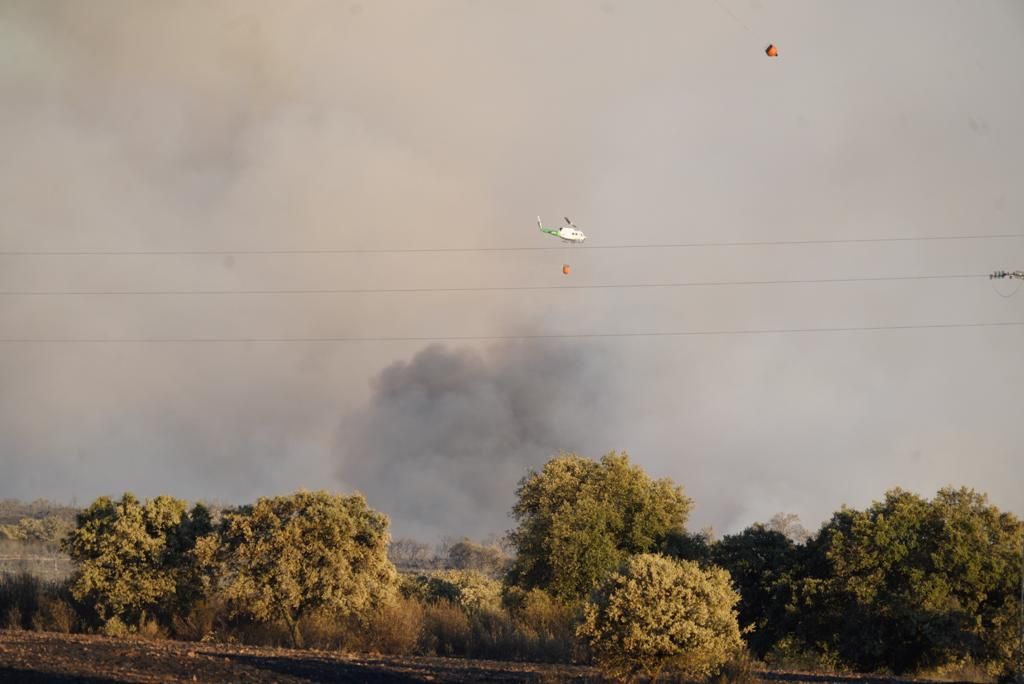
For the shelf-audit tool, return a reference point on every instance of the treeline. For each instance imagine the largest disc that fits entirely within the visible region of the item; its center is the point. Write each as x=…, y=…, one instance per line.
x=600, y=568
x=39, y=522
x=48, y=531
x=31, y=535
x=907, y=585
x=411, y=556
x=12, y=511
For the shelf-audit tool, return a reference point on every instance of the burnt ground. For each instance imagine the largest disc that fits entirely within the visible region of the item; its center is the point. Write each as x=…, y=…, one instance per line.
x=36, y=657
x=33, y=657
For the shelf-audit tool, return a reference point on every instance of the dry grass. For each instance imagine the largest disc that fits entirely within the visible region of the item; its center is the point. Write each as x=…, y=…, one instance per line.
x=396, y=628
x=55, y=614
x=446, y=629
x=963, y=671
x=20, y=597
x=740, y=669
x=204, y=622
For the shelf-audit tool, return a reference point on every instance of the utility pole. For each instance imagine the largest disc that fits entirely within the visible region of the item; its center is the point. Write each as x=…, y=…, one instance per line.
x=1017, y=275
x=1010, y=275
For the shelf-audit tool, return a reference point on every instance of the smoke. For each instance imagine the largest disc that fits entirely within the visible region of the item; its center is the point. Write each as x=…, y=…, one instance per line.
x=446, y=436
x=199, y=125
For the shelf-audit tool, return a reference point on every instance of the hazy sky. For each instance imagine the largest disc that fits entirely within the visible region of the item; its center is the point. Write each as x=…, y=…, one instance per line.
x=267, y=125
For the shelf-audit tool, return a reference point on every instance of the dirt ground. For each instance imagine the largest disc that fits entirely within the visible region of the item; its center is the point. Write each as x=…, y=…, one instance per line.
x=36, y=657
x=32, y=657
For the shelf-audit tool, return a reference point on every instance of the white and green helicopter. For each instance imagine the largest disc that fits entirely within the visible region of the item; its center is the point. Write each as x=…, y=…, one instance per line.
x=568, y=232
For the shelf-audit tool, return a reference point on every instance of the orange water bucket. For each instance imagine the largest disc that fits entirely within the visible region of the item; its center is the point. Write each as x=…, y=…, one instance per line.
x=565, y=269
x=772, y=51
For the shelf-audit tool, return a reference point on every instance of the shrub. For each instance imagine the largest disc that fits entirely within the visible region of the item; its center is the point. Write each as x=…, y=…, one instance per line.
x=656, y=613
x=446, y=629
x=469, y=589
x=19, y=600
x=204, y=620
x=965, y=670
x=493, y=635
x=545, y=626
x=244, y=630
x=740, y=669
x=790, y=653
x=12, y=618
x=55, y=614
x=396, y=628
x=115, y=627
x=326, y=629
x=150, y=628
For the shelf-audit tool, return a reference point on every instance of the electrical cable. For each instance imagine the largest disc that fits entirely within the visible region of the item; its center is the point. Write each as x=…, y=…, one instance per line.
x=429, y=250
x=489, y=338
x=491, y=288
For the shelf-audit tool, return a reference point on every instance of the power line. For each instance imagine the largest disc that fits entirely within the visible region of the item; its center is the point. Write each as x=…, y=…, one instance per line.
x=428, y=250
x=494, y=288
x=487, y=338
x=731, y=14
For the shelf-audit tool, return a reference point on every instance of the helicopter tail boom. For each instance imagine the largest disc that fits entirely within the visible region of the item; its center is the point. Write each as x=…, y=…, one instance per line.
x=549, y=231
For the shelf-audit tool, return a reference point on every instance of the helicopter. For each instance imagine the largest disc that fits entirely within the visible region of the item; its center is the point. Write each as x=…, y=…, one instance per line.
x=568, y=232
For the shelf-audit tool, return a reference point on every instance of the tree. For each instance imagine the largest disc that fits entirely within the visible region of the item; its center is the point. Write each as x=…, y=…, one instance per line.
x=911, y=583
x=467, y=555
x=409, y=554
x=470, y=590
x=49, y=531
x=684, y=545
x=579, y=519
x=789, y=525
x=762, y=563
x=657, y=613
x=135, y=559
x=287, y=556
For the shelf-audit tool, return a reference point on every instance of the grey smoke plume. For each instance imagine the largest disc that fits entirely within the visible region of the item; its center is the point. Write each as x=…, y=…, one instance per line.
x=446, y=436
x=191, y=125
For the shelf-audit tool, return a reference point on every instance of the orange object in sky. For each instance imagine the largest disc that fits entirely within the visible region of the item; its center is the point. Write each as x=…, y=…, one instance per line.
x=565, y=269
x=772, y=51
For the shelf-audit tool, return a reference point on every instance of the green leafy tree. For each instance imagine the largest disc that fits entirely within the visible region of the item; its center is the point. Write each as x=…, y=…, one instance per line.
x=472, y=591
x=136, y=559
x=762, y=563
x=579, y=519
x=689, y=546
x=287, y=556
x=911, y=583
x=656, y=613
